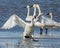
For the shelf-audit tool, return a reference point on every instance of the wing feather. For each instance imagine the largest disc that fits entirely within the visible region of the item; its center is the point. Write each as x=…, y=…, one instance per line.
x=47, y=22
x=20, y=22
x=13, y=21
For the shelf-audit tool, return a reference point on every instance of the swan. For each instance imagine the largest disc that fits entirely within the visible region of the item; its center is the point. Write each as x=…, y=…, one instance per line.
x=15, y=20
x=49, y=22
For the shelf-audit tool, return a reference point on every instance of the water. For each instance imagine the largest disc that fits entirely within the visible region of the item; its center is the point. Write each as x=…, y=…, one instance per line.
x=12, y=38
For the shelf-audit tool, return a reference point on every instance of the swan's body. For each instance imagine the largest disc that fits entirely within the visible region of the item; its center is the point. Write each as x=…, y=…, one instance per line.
x=15, y=20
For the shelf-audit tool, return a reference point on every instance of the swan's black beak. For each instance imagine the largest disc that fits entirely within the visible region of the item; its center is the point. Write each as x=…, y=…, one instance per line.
x=47, y=13
x=24, y=7
x=31, y=6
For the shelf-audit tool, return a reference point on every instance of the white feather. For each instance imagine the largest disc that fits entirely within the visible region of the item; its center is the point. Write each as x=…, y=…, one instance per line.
x=13, y=21
x=46, y=22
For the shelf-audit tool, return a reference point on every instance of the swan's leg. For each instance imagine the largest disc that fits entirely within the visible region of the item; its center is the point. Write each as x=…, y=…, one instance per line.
x=41, y=30
x=46, y=30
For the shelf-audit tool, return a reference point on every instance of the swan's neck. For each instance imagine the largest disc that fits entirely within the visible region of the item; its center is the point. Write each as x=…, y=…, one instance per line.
x=32, y=21
x=51, y=16
x=34, y=11
x=28, y=11
x=39, y=10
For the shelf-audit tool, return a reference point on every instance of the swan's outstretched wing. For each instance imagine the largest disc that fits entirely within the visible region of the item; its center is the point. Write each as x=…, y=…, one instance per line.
x=9, y=23
x=13, y=21
x=20, y=22
x=40, y=25
x=47, y=22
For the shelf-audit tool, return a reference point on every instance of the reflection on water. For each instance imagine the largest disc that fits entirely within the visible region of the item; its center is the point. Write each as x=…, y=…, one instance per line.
x=40, y=43
x=27, y=43
x=14, y=40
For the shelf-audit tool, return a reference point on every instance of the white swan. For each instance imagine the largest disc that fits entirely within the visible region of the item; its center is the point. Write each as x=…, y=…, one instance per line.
x=48, y=22
x=15, y=20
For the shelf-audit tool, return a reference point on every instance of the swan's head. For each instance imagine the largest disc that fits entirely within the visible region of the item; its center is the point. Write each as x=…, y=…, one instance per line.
x=34, y=5
x=50, y=13
x=27, y=6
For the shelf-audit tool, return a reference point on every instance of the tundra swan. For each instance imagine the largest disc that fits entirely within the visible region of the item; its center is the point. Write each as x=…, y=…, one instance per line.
x=48, y=22
x=15, y=20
